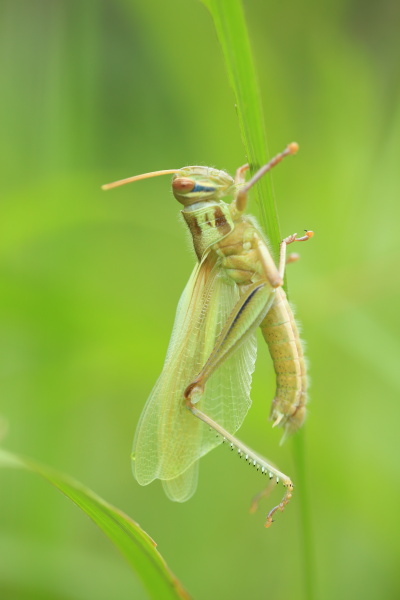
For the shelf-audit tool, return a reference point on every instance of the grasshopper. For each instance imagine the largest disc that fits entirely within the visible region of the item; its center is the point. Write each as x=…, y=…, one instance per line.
x=203, y=393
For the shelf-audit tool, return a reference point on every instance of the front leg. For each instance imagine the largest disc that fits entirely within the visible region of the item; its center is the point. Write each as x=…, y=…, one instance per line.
x=276, y=275
x=282, y=250
x=240, y=176
x=241, y=197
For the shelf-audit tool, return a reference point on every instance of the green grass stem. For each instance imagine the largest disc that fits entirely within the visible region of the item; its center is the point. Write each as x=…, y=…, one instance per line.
x=230, y=24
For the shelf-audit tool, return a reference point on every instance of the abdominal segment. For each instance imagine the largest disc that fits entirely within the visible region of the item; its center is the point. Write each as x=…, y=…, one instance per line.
x=282, y=336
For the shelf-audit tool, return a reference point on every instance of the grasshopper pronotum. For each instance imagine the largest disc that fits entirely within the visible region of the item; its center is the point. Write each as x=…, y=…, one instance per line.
x=204, y=387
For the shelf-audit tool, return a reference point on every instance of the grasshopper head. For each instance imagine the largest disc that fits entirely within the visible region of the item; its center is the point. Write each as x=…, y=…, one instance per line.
x=191, y=185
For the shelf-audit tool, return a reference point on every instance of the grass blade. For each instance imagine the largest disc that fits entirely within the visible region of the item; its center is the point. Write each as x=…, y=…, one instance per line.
x=230, y=24
x=134, y=543
x=306, y=534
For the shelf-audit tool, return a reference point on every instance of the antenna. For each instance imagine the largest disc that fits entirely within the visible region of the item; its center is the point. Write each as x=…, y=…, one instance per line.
x=109, y=186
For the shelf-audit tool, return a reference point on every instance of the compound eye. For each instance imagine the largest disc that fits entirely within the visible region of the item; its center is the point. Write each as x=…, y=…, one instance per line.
x=183, y=185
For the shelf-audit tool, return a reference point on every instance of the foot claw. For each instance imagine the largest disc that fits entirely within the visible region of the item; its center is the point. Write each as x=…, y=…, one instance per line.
x=281, y=505
x=293, y=238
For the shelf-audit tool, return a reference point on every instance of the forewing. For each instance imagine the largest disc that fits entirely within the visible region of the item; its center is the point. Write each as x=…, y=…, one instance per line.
x=169, y=439
x=161, y=421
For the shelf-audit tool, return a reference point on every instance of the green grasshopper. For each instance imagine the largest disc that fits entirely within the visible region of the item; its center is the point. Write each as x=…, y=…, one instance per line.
x=205, y=384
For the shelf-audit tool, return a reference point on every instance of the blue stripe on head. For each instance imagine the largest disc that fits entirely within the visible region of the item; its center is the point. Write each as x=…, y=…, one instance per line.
x=202, y=188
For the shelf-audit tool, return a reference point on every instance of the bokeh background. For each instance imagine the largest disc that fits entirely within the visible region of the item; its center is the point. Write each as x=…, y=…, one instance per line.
x=92, y=91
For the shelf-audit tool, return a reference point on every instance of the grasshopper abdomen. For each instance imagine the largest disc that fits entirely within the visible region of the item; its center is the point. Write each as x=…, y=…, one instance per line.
x=282, y=336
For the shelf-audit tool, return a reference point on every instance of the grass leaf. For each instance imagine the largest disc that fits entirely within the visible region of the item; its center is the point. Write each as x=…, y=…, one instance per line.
x=230, y=25
x=134, y=543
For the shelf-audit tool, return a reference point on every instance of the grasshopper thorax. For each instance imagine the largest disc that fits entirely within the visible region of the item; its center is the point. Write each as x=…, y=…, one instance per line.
x=192, y=185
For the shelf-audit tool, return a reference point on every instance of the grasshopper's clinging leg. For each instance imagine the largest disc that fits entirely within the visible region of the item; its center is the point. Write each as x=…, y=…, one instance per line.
x=240, y=174
x=276, y=276
x=245, y=317
x=240, y=204
x=284, y=243
x=241, y=198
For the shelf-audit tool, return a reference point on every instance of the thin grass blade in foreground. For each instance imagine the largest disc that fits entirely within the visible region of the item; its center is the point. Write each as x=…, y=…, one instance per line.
x=230, y=24
x=134, y=543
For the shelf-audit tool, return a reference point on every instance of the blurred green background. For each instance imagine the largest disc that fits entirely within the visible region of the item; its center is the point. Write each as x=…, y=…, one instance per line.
x=93, y=91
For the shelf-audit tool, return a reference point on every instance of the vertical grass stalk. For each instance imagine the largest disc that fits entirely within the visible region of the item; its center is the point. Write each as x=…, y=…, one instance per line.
x=230, y=25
